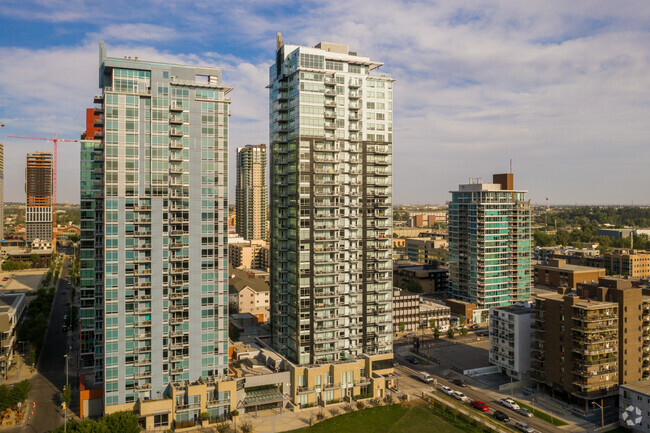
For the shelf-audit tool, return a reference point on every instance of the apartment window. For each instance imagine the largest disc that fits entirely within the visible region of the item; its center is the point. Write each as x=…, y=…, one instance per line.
x=161, y=420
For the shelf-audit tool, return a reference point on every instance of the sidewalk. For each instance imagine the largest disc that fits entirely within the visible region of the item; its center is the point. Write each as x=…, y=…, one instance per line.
x=18, y=371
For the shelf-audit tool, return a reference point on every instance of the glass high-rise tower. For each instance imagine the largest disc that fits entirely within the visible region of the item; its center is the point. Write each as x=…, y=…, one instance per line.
x=154, y=209
x=251, y=192
x=490, y=243
x=331, y=204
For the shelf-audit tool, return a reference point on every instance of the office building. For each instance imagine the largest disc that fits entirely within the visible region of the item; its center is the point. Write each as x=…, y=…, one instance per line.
x=588, y=342
x=427, y=219
x=557, y=273
x=251, y=192
x=490, y=243
x=331, y=204
x=38, y=187
x=439, y=313
x=510, y=332
x=431, y=277
x=154, y=265
x=427, y=249
x=628, y=262
x=406, y=310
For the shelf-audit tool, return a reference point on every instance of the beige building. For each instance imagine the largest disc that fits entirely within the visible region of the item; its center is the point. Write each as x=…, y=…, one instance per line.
x=262, y=379
x=557, y=273
x=427, y=218
x=587, y=343
x=251, y=192
x=251, y=255
x=427, y=249
x=248, y=293
x=12, y=307
x=627, y=262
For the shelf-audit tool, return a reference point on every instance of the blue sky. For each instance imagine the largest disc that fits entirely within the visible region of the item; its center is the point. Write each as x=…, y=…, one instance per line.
x=562, y=88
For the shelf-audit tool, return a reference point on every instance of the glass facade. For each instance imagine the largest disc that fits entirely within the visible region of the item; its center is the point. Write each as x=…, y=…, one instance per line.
x=154, y=230
x=490, y=247
x=331, y=205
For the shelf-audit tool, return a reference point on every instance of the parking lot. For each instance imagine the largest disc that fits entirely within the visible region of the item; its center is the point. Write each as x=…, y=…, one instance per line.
x=21, y=280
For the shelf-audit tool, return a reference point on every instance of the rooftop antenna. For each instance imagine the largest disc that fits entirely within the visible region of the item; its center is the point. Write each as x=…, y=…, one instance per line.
x=510, y=165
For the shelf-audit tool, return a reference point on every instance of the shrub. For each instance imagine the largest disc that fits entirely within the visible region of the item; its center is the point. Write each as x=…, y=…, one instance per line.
x=348, y=407
x=403, y=398
x=388, y=399
x=246, y=427
x=205, y=416
x=334, y=411
x=224, y=427
x=360, y=405
x=320, y=416
x=375, y=402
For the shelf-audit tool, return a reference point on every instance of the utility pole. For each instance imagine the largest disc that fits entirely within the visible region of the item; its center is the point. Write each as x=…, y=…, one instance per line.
x=65, y=409
x=602, y=415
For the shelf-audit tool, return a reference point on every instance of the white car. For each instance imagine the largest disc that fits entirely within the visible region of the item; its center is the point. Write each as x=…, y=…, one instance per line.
x=460, y=396
x=447, y=390
x=509, y=403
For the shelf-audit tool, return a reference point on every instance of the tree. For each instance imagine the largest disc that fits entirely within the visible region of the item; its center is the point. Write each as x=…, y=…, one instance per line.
x=432, y=323
x=436, y=332
x=246, y=427
x=463, y=331
x=450, y=332
x=34, y=257
x=124, y=422
x=413, y=286
x=401, y=326
x=67, y=396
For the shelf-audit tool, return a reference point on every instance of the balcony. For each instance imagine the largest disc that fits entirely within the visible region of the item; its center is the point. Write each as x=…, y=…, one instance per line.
x=175, y=132
x=176, y=107
x=176, y=120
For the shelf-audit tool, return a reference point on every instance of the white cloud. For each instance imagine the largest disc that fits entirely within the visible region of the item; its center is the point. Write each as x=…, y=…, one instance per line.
x=560, y=87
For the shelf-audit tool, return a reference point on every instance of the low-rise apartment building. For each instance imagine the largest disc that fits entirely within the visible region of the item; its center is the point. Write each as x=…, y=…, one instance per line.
x=406, y=310
x=628, y=262
x=557, y=273
x=439, y=313
x=248, y=293
x=12, y=307
x=510, y=337
x=634, y=406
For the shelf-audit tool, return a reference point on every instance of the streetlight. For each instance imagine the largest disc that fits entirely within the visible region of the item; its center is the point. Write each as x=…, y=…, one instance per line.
x=602, y=416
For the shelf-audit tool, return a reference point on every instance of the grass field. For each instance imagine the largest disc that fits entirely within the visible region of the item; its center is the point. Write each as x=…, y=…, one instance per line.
x=542, y=415
x=408, y=418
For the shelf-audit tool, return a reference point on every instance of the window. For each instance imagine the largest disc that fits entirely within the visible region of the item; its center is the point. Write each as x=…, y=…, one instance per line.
x=163, y=419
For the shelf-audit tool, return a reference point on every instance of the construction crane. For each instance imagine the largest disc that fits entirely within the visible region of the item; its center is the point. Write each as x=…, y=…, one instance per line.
x=55, y=140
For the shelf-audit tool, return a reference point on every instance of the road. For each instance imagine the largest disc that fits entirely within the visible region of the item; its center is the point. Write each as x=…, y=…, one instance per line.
x=410, y=384
x=48, y=383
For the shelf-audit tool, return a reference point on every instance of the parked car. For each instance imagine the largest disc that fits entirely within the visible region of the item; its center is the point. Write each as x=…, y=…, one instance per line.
x=412, y=360
x=475, y=326
x=458, y=382
x=410, y=335
x=509, y=403
x=425, y=377
x=525, y=412
x=478, y=404
x=522, y=426
x=501, y=416
x=447, y=390
x=460, y=396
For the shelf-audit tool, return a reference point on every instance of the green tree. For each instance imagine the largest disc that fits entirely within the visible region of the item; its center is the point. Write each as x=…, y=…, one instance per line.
x=401, y=326
x=34, y=257
x=413, y=286
x=123, y=422
x=450, y=332
x=436, y=333
x=432, y=323
x=463, y=331
x=67, y=396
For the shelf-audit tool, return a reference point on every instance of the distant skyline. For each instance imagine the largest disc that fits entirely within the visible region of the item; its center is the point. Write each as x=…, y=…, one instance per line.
x=562, y=88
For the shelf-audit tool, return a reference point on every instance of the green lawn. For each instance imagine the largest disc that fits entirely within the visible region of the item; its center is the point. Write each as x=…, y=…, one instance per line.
x=542, y=415
x=392, y=419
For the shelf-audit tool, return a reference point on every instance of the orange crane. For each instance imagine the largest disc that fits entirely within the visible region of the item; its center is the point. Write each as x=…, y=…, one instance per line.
x=55, y=140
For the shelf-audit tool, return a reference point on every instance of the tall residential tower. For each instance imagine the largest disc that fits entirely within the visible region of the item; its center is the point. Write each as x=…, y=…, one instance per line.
x=251, y=192
x=331, y=204
x=2, y=191
x=490, y=243
x=154, y=258
x=38, y=187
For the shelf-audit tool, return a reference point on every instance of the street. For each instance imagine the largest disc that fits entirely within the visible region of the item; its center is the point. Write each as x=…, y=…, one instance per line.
x=48, y=382
x=409, y=383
